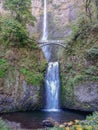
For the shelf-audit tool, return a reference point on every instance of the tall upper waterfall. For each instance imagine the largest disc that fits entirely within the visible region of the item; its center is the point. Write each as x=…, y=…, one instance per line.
x=45, y=32
x=52, y=86
x=52, y=82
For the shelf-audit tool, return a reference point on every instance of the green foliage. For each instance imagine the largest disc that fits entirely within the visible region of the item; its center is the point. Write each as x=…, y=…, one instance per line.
x=69, y=65
x=91, y=70
x=42, y=67
x=14, y=27
x=92, y=53
x=3, y=125
x=20, y=10
x=32, y=77
x=13, y=32
x=91, y=120
x=78, y=78
x=3, y=67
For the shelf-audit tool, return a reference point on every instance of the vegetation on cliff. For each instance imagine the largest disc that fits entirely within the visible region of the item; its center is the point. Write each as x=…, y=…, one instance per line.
x=19, y=51
x=79, y=63
x=13, y=25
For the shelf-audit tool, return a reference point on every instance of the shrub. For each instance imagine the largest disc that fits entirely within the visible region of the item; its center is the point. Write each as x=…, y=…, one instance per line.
x=34, y=78
x=13, y=32
x=3, y=67
x=91, y=70
x=92, y=53
x=20, y=10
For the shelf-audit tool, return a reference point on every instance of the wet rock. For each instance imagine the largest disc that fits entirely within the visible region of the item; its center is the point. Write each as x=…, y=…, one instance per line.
x=19, y=97
x=84, y=97
x=49, y=122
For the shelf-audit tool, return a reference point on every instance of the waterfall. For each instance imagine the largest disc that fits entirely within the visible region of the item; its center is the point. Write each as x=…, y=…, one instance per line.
x=52, y=82
x=52, y=86
x=45, y=32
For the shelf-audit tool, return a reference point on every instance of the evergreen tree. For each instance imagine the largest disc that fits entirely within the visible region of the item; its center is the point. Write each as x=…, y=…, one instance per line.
x=20, y=10
x=14, y=28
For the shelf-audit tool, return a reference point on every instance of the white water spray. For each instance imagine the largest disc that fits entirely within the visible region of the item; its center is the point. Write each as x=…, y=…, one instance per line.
x=52, y=86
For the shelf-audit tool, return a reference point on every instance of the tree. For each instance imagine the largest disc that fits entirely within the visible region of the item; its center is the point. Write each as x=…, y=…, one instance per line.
x=20, y=10
x=14, y=33
x=14, y=28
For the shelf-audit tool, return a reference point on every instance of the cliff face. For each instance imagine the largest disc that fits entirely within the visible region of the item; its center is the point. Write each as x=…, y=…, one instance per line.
x=21, y=74
x=79, y=70
x=79, y=78
x=61, y=13
x=18, y=96
x=22, y=70
x=21, y=78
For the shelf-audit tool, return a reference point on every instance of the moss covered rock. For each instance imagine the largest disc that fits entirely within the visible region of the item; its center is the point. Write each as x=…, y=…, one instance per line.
x=79, y=71
x=21, y=78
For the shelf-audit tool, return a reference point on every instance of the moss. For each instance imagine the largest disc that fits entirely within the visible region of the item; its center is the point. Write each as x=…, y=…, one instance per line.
x=79, y=62
x=32, y=77
x=92, y=53
x=3, y=125
x=67, y=92
x=29, y=61
x=33, y=68
x=3, y=67
x=91, y=121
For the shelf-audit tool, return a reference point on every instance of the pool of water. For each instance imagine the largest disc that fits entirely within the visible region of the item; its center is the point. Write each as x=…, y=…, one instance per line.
x=33, y=120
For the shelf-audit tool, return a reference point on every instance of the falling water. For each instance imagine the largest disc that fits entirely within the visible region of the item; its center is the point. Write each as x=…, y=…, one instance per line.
x=45, y=32
x=52, y=82
x=52, y=86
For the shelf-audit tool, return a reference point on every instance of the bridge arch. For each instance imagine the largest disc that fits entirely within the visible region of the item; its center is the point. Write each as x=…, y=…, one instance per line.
x=45, y=44
x=52, y=42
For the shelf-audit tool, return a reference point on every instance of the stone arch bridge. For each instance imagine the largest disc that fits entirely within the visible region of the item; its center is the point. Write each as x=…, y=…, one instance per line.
x=52, y=42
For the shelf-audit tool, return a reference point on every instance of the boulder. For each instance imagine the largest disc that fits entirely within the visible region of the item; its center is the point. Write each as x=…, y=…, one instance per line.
x=49, y=122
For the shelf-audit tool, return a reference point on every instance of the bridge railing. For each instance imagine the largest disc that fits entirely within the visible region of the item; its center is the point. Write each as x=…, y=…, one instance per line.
x=51, y=41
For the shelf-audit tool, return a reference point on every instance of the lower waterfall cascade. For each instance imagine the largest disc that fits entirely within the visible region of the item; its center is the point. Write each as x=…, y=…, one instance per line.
x=52, y=86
